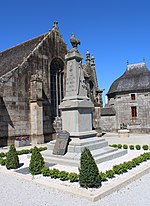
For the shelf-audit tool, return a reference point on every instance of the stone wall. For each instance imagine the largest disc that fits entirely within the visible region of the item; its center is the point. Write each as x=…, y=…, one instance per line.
x=15, y=105
x=15, y=90
x=108, y=123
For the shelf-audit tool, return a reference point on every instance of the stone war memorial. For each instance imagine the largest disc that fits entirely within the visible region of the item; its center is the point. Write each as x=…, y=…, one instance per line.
x=77, y=108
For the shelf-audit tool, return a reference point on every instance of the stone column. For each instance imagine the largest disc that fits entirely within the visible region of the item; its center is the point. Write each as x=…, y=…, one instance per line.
x=36, y=110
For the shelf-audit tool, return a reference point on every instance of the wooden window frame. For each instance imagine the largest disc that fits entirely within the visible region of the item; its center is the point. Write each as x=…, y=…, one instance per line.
x=134, y=112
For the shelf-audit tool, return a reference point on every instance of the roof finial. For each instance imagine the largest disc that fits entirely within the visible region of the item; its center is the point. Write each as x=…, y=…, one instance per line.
x=93, y=59
x=55, y=24
x=87, y=56
x=74, y=42
x=127, y=62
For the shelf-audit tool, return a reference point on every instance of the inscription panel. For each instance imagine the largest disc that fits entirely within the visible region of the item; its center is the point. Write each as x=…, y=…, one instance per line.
x=61, y=144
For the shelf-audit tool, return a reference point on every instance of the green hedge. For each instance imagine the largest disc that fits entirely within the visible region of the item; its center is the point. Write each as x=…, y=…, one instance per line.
x=104, y=176
x=62, y=175
x=23, y=151
x=131, y=147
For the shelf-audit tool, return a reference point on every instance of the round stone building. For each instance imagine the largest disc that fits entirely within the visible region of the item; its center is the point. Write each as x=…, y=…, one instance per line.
x=129, y=101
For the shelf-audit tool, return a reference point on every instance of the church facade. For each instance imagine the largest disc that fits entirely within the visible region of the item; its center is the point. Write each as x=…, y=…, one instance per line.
x=129, y=101
x=32, y=86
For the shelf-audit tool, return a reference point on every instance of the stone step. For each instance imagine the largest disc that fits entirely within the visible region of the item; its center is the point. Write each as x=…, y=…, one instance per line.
x=73, y=159
x=103, y=151
x=81, y=143
x=86, y=141
x=94, y=146
x=68, y=159
x=110, y=156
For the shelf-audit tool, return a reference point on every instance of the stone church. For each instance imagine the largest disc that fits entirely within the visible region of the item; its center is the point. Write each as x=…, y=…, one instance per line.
x=32, y=85
x=129, y=101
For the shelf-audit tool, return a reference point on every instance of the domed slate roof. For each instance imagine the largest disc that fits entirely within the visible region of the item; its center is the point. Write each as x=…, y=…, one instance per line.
x=136, y=78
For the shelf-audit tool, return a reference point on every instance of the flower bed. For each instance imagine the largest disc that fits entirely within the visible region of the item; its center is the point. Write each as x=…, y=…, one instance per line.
x=22, y=141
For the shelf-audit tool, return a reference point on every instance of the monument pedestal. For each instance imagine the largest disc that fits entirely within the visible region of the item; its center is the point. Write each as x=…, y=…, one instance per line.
x=98, y=147
x=77, y=116
x=77, y=121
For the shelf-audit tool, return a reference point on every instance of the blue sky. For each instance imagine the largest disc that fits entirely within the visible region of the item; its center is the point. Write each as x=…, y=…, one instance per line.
x=114, y=31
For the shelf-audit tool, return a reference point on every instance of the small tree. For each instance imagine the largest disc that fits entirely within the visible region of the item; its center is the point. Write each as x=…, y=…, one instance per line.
x=88, y=171
x=36, y=162
x=12, y=160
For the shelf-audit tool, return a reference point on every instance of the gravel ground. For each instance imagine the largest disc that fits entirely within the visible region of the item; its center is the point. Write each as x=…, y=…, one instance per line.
x=20, y=192
x=17, y=192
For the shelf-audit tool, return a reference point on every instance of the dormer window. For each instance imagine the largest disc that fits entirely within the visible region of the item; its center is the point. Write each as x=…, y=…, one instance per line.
x=132, y=96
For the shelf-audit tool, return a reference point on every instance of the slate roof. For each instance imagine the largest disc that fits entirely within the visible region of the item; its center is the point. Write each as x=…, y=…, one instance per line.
x=107, y=112
x=10, y=58
x=136, y=78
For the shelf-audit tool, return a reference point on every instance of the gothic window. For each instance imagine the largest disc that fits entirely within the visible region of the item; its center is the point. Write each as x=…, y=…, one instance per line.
x=133, y=112
x=132, y=96
x=56, y=85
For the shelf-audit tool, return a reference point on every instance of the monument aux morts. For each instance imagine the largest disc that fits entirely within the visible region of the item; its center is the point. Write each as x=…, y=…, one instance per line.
x=33, y=83
x=77, y=119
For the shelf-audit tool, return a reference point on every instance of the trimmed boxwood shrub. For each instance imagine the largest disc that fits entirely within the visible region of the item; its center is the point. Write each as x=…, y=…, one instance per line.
x=73, y=177
x=119, y=146
x=114, y=145
x=138, y=147
x=124, y=167
x=45, y=171
x=2, y=161
x=63, y=175
x=125, y=146
x=131, y=147
x=118, y=169
x=12, y=160
x=27, y=151
x=129, y=165
x=36, y=162
x=42, y=149
x=2, y=154
x=145, y=147
x=136, y=160
x=110, y=173
x=146, y=155
x=23, y=151
x=103, y=176
x=54, y=173
x=88, y=171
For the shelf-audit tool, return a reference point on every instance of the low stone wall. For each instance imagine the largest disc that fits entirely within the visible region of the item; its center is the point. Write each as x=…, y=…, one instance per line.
x=108, y=123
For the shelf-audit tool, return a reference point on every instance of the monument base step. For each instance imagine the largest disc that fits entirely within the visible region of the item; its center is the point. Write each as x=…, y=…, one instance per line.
x=73, y=159
x=77, y=145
